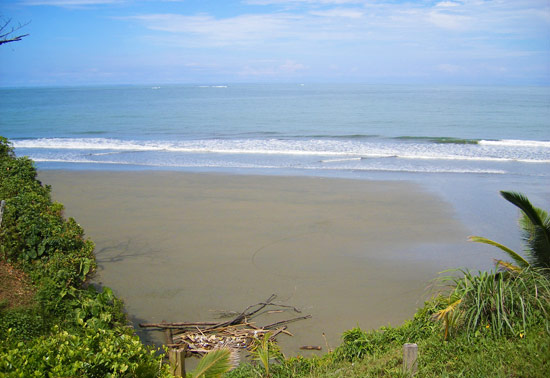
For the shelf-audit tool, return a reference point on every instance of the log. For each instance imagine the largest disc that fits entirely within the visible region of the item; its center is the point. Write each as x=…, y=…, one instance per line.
x=176, y=325
x=310, y=347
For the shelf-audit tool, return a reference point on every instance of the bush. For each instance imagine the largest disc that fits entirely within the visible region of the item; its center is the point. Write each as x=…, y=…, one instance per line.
x=92, y=353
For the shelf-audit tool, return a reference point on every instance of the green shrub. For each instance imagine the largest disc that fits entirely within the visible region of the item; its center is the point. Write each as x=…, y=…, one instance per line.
x=25, y=323
x=94, y=353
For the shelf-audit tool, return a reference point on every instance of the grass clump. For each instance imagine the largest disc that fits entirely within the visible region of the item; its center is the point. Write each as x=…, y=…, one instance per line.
x=506, y=303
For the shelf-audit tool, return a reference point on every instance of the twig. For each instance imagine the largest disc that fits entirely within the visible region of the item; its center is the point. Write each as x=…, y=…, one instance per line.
x=244, y=315
x=326, y=343
x=275, y=325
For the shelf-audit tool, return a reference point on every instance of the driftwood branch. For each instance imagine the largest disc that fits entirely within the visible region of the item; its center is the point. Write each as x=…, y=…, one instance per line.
x=201, y=337
x=247, y=315
x=283, y=322
x=176, y=325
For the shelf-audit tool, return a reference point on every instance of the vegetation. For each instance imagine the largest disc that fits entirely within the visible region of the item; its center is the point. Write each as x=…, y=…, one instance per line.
x=214, y=364
x=264, y=351
x=52, y=323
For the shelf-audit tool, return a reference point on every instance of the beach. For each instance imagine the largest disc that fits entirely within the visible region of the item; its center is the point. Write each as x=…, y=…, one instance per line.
x=180, y=246
x=345, y=200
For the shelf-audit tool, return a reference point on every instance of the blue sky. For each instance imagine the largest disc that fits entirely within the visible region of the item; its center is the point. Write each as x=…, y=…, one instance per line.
x=76, y=42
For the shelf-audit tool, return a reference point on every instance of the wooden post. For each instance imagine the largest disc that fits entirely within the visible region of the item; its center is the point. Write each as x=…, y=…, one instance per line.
x=410, y=355
x=177, y=361
x=168, y=336
x=2, y=205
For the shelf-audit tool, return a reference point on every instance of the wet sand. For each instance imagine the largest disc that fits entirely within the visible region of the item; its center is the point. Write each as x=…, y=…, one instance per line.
x=179, y=246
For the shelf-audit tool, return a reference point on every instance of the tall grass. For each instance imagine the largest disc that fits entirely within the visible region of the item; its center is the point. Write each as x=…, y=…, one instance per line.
x=504, y=303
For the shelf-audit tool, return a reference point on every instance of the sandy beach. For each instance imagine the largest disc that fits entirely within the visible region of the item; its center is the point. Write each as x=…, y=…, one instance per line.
x=182, y=246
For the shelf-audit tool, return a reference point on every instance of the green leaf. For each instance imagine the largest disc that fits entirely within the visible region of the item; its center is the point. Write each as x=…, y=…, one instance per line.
x=41, y=249
x=535, y=225
x=523, y=203
x=213, y=364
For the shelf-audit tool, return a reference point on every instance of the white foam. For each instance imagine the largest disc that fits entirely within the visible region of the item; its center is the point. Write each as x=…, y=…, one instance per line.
x=421, y=170
x=328, y=151
x=263, y=166
x=340, y=160
x=515, y=143
x=84, y=144
x=472, y=158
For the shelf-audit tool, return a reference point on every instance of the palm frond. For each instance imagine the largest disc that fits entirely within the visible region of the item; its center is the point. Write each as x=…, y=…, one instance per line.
x=535, y=226
x=507, y=267
x=439, y=315
x=448, y=316
x=214, y=364
x=514, y=255
x=519, y=200
x=538, y=247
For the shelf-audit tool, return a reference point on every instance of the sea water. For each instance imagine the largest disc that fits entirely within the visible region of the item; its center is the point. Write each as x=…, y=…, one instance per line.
x=463, y=143
x=298, y=128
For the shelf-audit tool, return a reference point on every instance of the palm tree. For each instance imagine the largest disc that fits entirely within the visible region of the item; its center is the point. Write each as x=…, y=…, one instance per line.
x=535, y=226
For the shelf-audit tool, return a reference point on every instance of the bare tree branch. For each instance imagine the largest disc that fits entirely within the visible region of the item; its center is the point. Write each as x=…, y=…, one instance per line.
x=7, y=32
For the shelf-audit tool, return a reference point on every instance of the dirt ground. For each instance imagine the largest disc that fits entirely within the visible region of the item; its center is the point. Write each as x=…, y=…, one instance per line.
x=15, y=287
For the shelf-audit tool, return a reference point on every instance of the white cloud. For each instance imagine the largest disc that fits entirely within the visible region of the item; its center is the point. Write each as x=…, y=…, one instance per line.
x=449, y=68
x=379, y=37
x=339, y=12
x=220, y=31
x=449, y=21
x=291, y=67
x=271, y=68
x=447, y=4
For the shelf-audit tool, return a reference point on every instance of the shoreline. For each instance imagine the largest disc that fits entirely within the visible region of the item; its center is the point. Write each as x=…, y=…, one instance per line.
x=175, y=246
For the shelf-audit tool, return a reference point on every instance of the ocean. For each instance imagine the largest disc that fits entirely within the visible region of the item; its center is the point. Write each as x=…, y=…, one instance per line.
x=290, y=128
x=464, y=143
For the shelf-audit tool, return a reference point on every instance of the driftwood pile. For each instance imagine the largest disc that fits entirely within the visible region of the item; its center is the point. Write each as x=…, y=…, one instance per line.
x=198, y=338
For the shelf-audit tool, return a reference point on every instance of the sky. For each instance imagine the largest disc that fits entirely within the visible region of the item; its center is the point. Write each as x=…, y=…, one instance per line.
x=455, y=42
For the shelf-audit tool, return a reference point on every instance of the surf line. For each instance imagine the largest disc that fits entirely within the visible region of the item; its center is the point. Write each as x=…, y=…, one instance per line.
x=339, y=160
